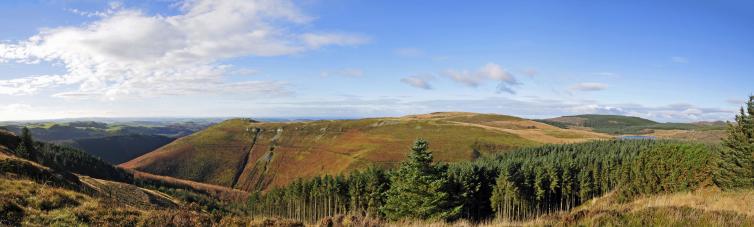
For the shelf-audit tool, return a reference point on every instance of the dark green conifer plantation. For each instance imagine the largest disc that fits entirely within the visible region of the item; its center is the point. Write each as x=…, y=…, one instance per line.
x=419, y=188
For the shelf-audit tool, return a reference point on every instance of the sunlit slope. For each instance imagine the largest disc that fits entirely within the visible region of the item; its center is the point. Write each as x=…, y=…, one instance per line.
x=704, y=207
x=250, y=155
x=211, y=155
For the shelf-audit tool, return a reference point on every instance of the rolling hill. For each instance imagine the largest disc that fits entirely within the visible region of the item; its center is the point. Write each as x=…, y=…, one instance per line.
x=250, y=155
x=113, y=142
x=60, y=132
x=120, y=149
x=620, y=125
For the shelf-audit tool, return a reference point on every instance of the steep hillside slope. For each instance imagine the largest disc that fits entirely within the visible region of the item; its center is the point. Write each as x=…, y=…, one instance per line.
x=251, y=155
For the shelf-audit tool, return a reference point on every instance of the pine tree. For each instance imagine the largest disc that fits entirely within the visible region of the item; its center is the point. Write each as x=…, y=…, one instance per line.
x=418, y=188
x=739, y=161
x=26, y=148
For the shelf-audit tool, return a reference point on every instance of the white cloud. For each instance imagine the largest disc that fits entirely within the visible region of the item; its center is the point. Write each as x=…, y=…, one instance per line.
x=733, y=101
x=409, y=52
x=324, y=39
x=243, y=72
x=418, y=81
x=531, y=72
x=113, y=7
x=28, y=85
x=129, y=53
x=590, y=86
x=606, y=74
x=347, y=72
x=489, y=72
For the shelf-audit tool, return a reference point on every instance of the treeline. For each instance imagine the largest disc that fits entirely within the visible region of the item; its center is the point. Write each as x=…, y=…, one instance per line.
x=68, y=159
x=360, y=192
x=516, y=185
x=559, y=177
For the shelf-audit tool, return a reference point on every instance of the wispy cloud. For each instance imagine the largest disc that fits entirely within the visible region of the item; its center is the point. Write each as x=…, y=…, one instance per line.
x=409, y=52
x=588, y=86
x=606, y=74
x=113, y=8
x=733, y=101
x=418, y=81
x=531, y=72
x=127, y=53
x=347, y=72
x=489, y=72
x=29, y=85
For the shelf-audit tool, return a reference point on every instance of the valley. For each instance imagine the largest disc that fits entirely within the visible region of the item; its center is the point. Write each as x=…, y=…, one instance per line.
x=115, y=141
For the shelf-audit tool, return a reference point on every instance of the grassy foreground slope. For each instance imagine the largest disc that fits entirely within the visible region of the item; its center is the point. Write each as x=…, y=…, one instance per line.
x=251, y=155
x=33, y=200
x=54, y=191
x=706, y=207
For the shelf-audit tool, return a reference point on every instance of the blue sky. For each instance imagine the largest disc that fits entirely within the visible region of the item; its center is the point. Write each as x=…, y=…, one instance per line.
x=663, y=60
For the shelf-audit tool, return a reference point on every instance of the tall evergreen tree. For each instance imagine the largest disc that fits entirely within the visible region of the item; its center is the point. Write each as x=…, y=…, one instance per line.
x=26, y=148
x=418, y=188
x=739, y=161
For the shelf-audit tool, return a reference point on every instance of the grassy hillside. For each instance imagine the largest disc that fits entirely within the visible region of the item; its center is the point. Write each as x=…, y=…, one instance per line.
x=25, y=202
x=120, y=149
x=34, y=194
x=251, y=155
x=616, y=124
x=706, y=207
